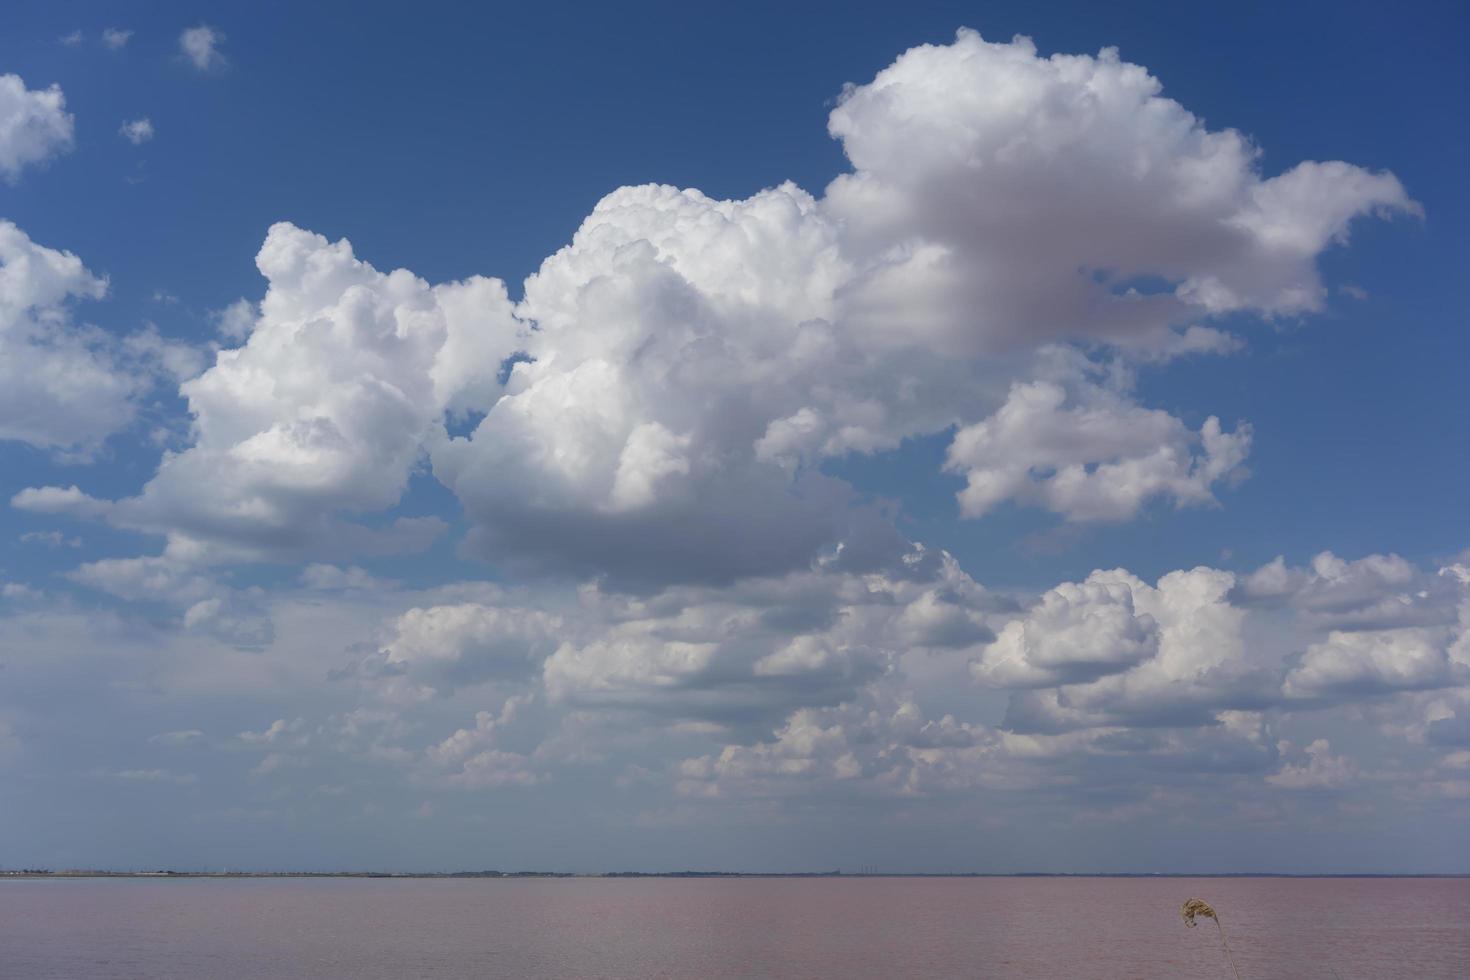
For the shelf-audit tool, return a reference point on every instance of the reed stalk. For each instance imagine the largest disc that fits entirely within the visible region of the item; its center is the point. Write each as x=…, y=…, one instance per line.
x=1199, y=908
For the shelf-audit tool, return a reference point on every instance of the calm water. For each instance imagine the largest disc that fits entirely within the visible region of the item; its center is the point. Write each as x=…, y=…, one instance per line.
x=899, y=927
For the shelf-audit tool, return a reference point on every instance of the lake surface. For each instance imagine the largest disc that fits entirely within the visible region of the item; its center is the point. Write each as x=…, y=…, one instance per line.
x=750, y=927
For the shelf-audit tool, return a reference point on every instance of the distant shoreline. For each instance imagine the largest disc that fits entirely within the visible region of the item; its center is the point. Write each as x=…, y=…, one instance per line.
x=459, y=875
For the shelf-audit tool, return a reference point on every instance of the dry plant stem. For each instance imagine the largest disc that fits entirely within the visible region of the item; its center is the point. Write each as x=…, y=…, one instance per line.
x=1199, y=908
x=1226, y=943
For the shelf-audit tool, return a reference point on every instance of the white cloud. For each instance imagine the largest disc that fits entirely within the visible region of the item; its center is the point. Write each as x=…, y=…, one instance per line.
x=444, y=647
x=19, y=592
x=154, y=353
x=749, y=654
x=235, y=321
x=1001, y=198
x=137, y=131
x=330, y=578
x=116, y=38
x=52, y=539
x=185, y=736
x=1116, y=650
x=327, y=405
x=280, y=731
x=69, y=501
x=234, y=617
x=471, y=759
x=1078, y=632
x=657, y=407
x=156, y=776
x=1375, y=662
x=1320, y=771
x=231, y=620
x=809, y=691
x=1374, y=592
x=71, y=40
x=34, y=126
x=65, y=386
x=200, y=45
x=145, y=579
x=1090, y=452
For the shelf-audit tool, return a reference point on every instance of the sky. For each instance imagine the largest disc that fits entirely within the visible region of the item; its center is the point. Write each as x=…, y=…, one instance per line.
x=935, y=437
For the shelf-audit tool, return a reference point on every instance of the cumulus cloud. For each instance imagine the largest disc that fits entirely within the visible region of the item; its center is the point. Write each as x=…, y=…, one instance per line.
x=200, y=45
x=52, y=539
x=186, y=736
x=66, y=386
x=34, y=126
x=156, y=776
x=231, y=620
x=1001, y=197
x=1374, y=592
x=440, y=648
x=1078, y=632
x=1090, y=452
x=137, y=131
x=205, y=604
x=327, y=406
x=116, y=38
x=68, y=501
x=1115, y=650
x=330, y=578
x=1017, y=239
x=659, y=405
x=1320, y=770
x=811, y=689
x=280, y=731
x=1376, y=662
x=472, y=759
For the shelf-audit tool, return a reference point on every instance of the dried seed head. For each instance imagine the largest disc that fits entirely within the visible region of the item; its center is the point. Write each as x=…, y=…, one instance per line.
x=1197, y=907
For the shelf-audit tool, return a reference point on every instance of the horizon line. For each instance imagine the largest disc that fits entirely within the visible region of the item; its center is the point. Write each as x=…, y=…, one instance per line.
x=834, y=873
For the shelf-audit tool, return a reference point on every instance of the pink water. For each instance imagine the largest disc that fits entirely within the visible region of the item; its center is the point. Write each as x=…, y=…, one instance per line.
x=710, y=929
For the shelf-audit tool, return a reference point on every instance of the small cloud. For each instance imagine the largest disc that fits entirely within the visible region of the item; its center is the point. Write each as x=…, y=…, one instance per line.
x=330, y=578
x=278, y=731
x=164, y=297
x=18, y=592
x=34, y=127
x=1353, y=291
x=71, y=40
x=138, y=131
x=51, y=539
x=156, y=776
x=1321, y=770
x=70, y=501
x=235, y=321
x=201, y=46
x=184, y=737
x=115, y=38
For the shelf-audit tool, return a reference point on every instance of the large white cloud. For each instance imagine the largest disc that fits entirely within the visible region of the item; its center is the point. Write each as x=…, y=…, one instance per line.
x=34, y=125
x=658, y=406
x=1000, y=198
x=327, y=406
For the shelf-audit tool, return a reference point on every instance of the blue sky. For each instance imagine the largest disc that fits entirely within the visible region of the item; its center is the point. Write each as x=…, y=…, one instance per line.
x=803, y=510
